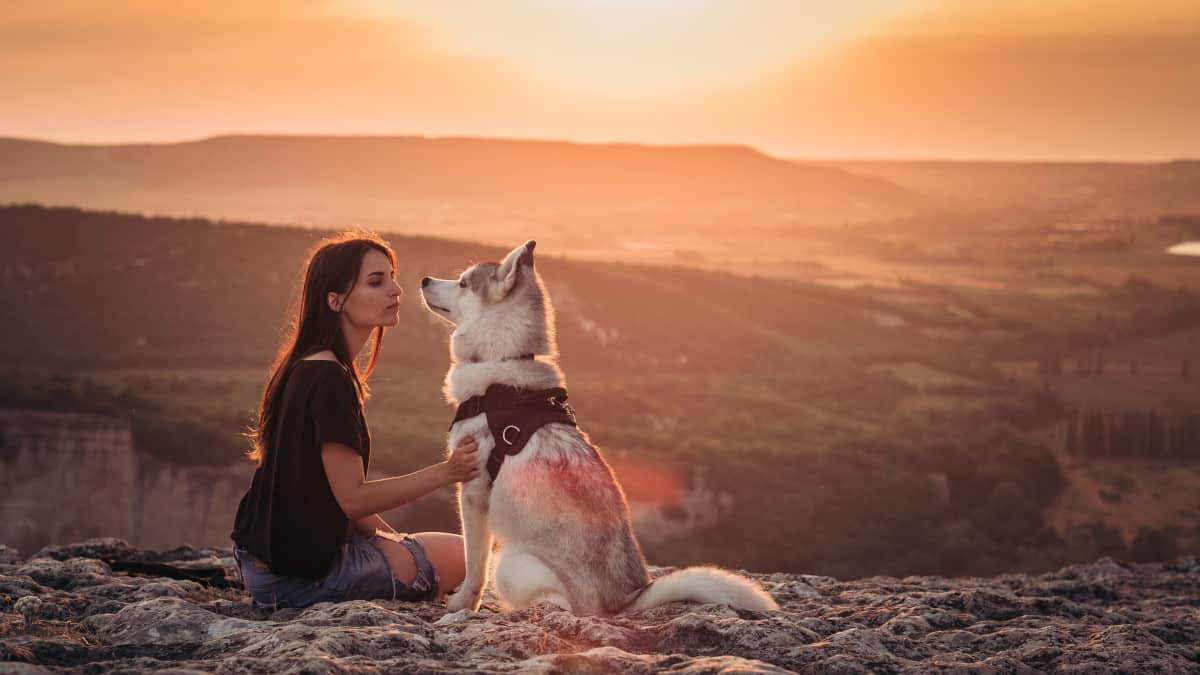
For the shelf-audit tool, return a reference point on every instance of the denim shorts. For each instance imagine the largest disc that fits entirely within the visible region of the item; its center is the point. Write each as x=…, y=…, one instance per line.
x=359, y=572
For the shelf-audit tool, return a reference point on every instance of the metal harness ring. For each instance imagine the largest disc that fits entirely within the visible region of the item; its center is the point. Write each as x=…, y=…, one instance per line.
x=504, y=434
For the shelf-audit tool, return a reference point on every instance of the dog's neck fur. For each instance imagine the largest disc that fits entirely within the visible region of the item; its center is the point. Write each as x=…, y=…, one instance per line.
x=489, y=349
x=465, y=380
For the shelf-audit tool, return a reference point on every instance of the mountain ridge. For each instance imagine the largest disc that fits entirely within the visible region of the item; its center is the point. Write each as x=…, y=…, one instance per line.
x=384, y=180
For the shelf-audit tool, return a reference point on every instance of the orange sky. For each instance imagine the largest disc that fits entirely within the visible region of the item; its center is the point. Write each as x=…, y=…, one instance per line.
x=1074, y=79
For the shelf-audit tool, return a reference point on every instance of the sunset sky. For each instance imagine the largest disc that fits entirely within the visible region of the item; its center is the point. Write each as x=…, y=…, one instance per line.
x=991, y=79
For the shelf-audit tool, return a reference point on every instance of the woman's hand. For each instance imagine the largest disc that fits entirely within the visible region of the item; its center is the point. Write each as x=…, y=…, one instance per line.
x=463, y=463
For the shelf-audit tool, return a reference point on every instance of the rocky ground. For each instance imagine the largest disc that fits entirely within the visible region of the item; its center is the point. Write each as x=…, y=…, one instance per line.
x=65, y=608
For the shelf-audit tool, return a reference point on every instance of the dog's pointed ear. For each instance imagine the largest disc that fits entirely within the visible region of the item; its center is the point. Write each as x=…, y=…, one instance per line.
x=521, y=256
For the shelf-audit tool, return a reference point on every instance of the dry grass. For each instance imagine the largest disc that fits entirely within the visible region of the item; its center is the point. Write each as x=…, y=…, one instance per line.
x=12, y=625
x=1130, y=495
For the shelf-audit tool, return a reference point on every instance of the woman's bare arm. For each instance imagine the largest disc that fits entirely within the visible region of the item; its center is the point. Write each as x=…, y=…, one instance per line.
x=369, y=525
x=360, y=498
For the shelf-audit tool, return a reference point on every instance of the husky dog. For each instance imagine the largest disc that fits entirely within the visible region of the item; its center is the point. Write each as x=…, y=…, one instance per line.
x=555, y=507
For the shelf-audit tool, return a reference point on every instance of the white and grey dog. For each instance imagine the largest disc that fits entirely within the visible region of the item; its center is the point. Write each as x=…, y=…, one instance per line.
x=556, y=509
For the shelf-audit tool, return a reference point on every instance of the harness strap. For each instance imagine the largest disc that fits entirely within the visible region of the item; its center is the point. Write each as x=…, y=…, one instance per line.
x=513, y=415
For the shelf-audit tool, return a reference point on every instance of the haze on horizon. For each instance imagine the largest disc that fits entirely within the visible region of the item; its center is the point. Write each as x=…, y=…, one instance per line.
x=982, y=79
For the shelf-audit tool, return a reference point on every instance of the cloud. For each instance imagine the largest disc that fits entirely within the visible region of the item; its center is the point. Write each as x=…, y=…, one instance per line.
x=1003, y=84
x=1039, y=17
x=148, y=68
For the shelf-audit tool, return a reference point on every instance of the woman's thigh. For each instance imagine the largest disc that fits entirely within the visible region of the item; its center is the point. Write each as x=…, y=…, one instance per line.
x=400, y=559
x=446, y=554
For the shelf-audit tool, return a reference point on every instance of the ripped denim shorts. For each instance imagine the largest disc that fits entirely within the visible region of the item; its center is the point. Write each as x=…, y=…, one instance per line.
x=359, y=572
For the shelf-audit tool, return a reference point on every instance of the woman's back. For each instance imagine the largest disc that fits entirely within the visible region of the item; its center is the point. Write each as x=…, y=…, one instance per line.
x=289, y=518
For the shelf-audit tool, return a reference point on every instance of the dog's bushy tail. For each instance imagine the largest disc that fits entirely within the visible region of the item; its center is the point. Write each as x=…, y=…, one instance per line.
x=704, y=584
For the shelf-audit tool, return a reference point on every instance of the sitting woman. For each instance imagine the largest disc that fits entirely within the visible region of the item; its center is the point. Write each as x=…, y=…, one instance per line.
x=308, y=528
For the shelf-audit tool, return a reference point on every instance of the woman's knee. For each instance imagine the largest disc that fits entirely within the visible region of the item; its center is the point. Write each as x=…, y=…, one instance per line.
x=446, y=553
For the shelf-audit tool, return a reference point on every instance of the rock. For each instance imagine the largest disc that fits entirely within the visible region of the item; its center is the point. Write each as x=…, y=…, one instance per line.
x=1105, y=616
x=613, y=660
x=66, y=574
x=161, y=621
x=803, y=589
x=11, y=668
x=104, y=548
x=8, y=555
x=453, y=617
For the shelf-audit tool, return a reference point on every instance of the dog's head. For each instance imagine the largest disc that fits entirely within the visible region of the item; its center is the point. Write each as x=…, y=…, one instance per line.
x=499, y=310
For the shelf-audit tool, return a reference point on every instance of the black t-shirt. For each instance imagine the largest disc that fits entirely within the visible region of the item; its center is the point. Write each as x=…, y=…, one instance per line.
x=289, y=518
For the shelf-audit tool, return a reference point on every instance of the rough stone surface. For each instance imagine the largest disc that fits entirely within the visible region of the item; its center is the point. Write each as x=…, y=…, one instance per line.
x=63, y=609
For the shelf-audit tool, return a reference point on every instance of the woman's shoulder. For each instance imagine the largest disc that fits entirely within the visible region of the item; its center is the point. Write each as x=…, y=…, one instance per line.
x=319, y=384
x=325, y=355
x=317, y=373
x=310, y=373
x=320, y=369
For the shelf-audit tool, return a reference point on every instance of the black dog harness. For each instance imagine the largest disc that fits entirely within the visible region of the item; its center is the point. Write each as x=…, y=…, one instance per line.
x=513, y=415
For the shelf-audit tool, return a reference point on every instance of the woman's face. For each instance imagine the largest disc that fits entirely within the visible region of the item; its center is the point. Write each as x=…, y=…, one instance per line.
x=375, y=299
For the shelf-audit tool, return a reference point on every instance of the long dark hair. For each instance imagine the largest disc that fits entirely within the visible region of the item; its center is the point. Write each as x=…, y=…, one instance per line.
x=334, y=265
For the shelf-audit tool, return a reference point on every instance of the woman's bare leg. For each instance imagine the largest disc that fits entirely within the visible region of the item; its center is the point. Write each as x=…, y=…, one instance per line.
x=399, y=558
x=444, y=550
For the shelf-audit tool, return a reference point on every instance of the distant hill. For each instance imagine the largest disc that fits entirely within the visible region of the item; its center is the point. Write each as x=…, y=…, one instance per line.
x=1082, y=190
x=468, y=187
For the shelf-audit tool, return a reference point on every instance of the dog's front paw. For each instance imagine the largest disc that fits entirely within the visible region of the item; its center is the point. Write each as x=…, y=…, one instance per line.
x=463, y=598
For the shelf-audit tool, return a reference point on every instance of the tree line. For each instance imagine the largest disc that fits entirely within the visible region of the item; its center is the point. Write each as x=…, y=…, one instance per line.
x=1134, y=434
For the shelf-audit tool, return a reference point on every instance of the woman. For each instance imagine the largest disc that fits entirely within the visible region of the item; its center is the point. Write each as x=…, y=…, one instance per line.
x=308, y=529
